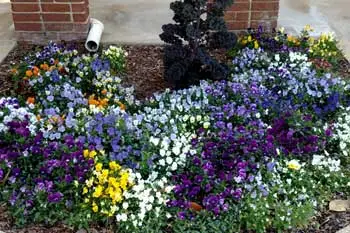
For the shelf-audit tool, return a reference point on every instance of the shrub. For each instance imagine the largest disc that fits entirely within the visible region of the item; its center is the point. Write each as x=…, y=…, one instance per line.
x=199, y=25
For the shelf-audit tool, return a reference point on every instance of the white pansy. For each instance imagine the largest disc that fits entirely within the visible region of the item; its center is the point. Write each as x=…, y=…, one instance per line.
x=154, y=141
x=206, y=125
x=125, y=205
x=169, y=160
x=162, y=152
x=192, y=119
x=174, y=167
x=162, y=162
x=176, y=150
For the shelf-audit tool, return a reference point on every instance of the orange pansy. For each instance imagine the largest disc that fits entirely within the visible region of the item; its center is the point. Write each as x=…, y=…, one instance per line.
x=35, y=71
x=121, y=105
x=196, y=207
x=44, y=67
x=31, y=100
x=104, y=92
x=29, y=73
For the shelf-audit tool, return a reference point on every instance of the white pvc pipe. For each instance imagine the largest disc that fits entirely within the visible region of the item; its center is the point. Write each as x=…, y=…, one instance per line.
x=93, y=39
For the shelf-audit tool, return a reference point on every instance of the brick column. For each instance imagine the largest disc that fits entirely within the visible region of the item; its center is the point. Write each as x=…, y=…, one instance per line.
x=245, y=14
x=39, y=21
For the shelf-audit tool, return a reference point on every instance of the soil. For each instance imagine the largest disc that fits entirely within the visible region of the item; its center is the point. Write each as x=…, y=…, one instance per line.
x=145, y=70
x=145, y=73
x=327, y=222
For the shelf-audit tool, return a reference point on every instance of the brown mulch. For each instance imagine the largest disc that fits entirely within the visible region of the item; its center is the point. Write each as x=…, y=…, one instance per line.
x=16, y=55
x=328, y=222
x=145, y=70
x=344, y=68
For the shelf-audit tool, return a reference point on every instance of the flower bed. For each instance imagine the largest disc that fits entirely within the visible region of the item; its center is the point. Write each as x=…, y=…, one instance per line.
x=263, y=150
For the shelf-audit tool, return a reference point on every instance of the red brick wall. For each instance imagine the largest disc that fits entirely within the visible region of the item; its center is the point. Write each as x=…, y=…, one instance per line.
x=245, y=14
x=40, y=21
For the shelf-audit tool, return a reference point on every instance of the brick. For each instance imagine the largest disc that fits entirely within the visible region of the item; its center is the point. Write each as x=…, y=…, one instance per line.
x=81, y=27
x=242, y=16
x=239, y=6
x=58, y=27
x=18, y=1
x=264, y=15
x=18, y=17
x=37, y=38
x=50, y=36
x=266, y=24
x=56, y=17
x=55, y=7
x=237, y=25
x=72, y=36
x=81, y=17
x=229, y=15
x=265, y=6
x=27, y=26
x=29, y=7
x=79, y=7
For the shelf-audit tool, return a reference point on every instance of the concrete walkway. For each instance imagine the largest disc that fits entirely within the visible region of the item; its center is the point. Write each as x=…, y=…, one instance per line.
x=322, y=15
x=7, y=41
x=344, y=230
x=132, y=21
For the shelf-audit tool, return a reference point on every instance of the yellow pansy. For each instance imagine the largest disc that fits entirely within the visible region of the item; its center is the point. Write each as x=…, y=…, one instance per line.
x=114, y=166
x=124, y=182
x=249, y=38
x=294, y=165
x=98, y=191
x=105, y=173
x=102, y=152
x=98, y=167
x=116, y=196
x=85, y=190
x=113, y=208
x=102, y=177
x=256, y=44
x=89, y=182
x=311, y=40
x=107, y=187
x=113, y=182
x=89, y=154
x=290, y=38
x=86, y=153
x=94, y=207
x=308, y=28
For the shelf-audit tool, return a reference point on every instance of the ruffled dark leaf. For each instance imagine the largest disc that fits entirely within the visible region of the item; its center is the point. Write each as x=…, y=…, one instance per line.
x=186, y=60
x=170, y=34
x=176, y=72
x=224, y=40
